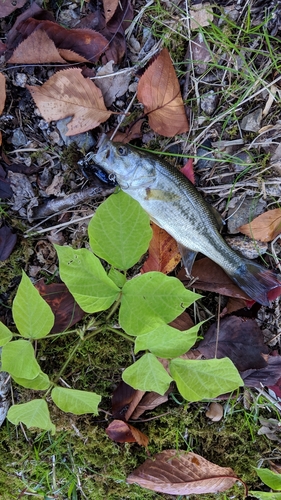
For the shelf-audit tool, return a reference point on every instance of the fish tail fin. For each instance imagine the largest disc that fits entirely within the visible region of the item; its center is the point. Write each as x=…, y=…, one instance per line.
x=261, y=284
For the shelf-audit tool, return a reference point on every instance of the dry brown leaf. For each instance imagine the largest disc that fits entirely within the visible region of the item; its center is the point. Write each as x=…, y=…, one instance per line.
x=9, y=6
x=215, y=412
x=176, y=472
x=159, y=92
x=182, y=322
x=109, y=7
x=2, y=92
x=163, y=253
x=38, y=48
x=68, y=93
x=150, y=401
x=122, y=432
x=200, y=15
x=71, y=56
x=265, y=227
x=131, y=133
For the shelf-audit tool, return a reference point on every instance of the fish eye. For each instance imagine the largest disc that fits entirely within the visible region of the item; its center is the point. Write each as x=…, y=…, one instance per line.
x=122, y=150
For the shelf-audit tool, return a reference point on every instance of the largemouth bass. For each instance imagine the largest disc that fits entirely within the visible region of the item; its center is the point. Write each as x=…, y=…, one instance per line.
x=175, y=205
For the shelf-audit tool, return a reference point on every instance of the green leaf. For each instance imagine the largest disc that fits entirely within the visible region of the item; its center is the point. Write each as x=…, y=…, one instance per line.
x=5, y=334
x=86, y=279
x=33, y=316
x=118, y=278
x=147, y=374
x=18, y=359
x=120, y=231
x=166, y=341
x=77, y=402
x=150, y=300
x=33, y=414
x=39, y=383
x=269, y=478
x=204, y=379
x=265, y=496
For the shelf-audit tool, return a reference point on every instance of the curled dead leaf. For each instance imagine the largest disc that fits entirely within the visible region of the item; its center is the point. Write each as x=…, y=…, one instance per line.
x=68, y=93
x=2, y=92
x=159, y=92
x=122, y=432
x=176, y=472
x=265, y=227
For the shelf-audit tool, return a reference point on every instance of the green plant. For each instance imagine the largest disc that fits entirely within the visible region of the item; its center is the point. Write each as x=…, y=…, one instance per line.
x=271, y=479
x=119, y=233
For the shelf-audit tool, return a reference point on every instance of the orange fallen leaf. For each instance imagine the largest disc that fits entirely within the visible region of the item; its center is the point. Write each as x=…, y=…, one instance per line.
x=122, y=432
x=163, y=253
x=188, y=170
x=38, y=48
x=176, y=472
x=2, y=92
x=265, y=227
x=159, y=92
x=68, y=93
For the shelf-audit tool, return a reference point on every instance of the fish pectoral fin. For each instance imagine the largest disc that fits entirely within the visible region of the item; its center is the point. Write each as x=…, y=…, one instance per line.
x=218, y=219
x=188, y=257
x=159, y=194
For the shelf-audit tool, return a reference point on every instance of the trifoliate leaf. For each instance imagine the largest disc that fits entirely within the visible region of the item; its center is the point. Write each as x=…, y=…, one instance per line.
x=147, y=374
x=33, y=414
x=18, y=359
x=77, y=402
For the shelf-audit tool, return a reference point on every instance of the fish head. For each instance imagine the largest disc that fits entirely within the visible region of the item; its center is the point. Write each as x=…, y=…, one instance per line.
x=129, y=167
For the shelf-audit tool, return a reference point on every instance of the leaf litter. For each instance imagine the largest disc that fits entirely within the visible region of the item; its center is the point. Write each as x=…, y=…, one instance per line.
x=36, y=38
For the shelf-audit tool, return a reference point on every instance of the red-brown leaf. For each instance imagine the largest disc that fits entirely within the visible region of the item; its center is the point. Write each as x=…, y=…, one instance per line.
x=122, y=432
x=159, y=91
x=239, y=339
x=109, y=7
x=86, y=42
x=211, y=277
x=7, y=242
x=176, y=472
x=68, y=93
x=163, y=253
x=66, y=310
x=265, y=227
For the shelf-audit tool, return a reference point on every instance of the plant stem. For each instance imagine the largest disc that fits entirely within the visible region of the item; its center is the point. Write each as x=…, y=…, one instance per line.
x=122, y=334
x=114, y=307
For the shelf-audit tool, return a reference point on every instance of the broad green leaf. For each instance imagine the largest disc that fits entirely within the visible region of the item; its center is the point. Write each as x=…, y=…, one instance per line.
x=86, y=279
x=166, y=341
x=33, y=316
x=269, y=478
x=120, y=231
x=77, y=402
x=151, y=300
x=33, y=414
x=118, y=278
x=204, y=379
x=5, y=334
x=39, y=383
x=147, y=374
x=18, y=359
x=265, y=496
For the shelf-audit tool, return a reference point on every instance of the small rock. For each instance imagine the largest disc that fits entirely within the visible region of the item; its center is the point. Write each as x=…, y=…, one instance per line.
x=20, y=80
x=243, y=160
x=19, y=138
x=240, y=215
x=208, y=102
x=251, y=249
x=251, y=122
x=84, y=141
